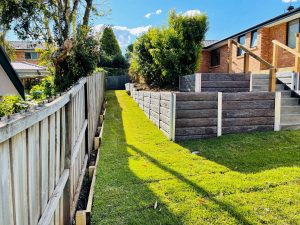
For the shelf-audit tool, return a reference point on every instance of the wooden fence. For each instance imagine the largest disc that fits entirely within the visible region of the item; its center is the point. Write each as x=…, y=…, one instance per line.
x=43, y=156
x=215, y=82
x=210, y=114
x=117, y=82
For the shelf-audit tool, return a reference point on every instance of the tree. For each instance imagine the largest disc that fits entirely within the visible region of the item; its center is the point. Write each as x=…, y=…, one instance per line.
x=129, y=51
x=108, y=43
x=161, y=56
x=52, y=21
x=110, y=51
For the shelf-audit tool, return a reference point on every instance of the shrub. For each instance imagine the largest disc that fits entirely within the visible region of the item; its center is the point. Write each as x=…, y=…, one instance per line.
x=12, y=104
x=43, y=90
x=80, y=61
x=160, y=56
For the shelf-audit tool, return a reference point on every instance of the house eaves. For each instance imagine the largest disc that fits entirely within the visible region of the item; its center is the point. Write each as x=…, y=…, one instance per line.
x=274, y=21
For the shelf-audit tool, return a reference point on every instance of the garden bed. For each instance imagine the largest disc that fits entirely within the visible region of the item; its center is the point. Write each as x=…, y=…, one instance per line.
x=85, y=201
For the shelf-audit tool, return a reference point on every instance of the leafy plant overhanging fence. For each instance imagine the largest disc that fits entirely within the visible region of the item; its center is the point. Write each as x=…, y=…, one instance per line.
x=184, y=116
x=44, y=153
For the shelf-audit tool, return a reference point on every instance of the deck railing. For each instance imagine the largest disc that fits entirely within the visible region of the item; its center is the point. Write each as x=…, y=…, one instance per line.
x=295, y=52
x=247, y=54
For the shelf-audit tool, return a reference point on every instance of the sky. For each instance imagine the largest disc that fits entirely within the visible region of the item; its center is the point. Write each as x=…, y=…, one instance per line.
x=226, y=17
x=130, y=18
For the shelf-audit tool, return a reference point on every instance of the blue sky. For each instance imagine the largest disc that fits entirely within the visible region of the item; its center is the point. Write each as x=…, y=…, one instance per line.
x=226, y=17
x=132, y=17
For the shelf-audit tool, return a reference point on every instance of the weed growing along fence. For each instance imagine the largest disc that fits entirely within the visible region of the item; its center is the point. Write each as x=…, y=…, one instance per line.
x=43, y=154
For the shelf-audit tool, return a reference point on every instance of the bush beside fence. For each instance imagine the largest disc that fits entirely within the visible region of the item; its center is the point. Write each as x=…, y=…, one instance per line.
x=211, y=114
x=44, y=153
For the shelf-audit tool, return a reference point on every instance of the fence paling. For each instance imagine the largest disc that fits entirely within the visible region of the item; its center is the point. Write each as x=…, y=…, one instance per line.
x=43, y=155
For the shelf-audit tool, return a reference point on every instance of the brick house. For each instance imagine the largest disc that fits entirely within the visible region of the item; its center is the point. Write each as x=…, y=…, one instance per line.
x=258, y=39
x=25, y=51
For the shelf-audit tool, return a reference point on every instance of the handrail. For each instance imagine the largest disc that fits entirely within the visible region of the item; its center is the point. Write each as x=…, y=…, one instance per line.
x=271, y=67
x=285, y=47
x=258, y=58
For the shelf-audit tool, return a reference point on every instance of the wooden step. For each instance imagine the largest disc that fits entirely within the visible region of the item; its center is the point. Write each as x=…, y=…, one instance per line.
x=260, y=81
x=286, y=94
x=290, y=126
x=260, y=88
x=260, y=76
x=290, y=109
x=289, y=101
x=290, y=118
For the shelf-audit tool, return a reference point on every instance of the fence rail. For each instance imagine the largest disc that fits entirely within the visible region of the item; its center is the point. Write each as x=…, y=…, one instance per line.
x=43, y=154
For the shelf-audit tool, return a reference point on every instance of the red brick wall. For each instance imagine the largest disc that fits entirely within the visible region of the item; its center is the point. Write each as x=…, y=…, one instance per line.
x=264, y=49
x=206, y=64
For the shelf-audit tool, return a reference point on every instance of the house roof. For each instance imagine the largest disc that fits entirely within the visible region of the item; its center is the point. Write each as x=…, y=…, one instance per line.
x=11, y=73
x=26, y=66
x=26, y=45
x=286, y=16
x=209, y=42
x=29, y=70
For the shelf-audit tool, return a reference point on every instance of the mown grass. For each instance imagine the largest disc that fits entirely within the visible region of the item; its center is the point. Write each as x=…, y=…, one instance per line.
x=143, y=178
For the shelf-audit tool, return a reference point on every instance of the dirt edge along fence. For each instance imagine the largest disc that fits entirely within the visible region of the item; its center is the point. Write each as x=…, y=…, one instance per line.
x=43, y=154
x=185, y=116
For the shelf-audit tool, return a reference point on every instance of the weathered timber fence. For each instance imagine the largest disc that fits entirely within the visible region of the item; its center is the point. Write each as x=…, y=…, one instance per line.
x=43, y=156
x=210, y=114
x=215, y=82
x=117, y=82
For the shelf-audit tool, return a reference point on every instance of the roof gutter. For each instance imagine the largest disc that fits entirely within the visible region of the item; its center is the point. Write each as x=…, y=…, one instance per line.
x=268, y=22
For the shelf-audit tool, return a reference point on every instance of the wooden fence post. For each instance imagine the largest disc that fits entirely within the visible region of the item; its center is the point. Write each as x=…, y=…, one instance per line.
x=272, y=80
x=246, y=62
x=67, y=195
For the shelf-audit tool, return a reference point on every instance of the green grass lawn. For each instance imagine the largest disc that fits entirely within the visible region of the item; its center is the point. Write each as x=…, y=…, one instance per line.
x=143, y=178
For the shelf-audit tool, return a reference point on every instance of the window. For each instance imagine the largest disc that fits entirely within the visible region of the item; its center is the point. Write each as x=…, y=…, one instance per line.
x=31, y=55
x=215, y=57
x=293, y=29
x=241, y=40
x=253, y=39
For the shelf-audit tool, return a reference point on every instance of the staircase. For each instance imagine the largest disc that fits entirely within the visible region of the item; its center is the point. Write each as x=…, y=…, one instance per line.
x=290, y=100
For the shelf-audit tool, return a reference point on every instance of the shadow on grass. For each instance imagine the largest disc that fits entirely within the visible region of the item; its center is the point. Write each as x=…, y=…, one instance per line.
x=226, y=207
x=120, y=196
x=252, y=152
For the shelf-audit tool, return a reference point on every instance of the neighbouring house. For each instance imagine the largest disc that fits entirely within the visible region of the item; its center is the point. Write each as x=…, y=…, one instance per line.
x=10, y=83
x=258, y=39
x=28, y=72
x=26, y=51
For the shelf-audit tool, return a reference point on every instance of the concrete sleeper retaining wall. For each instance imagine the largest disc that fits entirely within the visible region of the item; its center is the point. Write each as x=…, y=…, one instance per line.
x=185, y=116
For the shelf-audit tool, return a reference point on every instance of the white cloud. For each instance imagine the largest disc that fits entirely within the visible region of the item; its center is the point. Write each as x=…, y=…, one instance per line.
x=157, y=12
x=137, y=31
x=289, y=1
x=148, y=15
x=125, y=35
x=192, y=12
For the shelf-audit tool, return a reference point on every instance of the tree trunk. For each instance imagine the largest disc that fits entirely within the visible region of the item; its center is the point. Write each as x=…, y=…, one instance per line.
x=87, y=12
